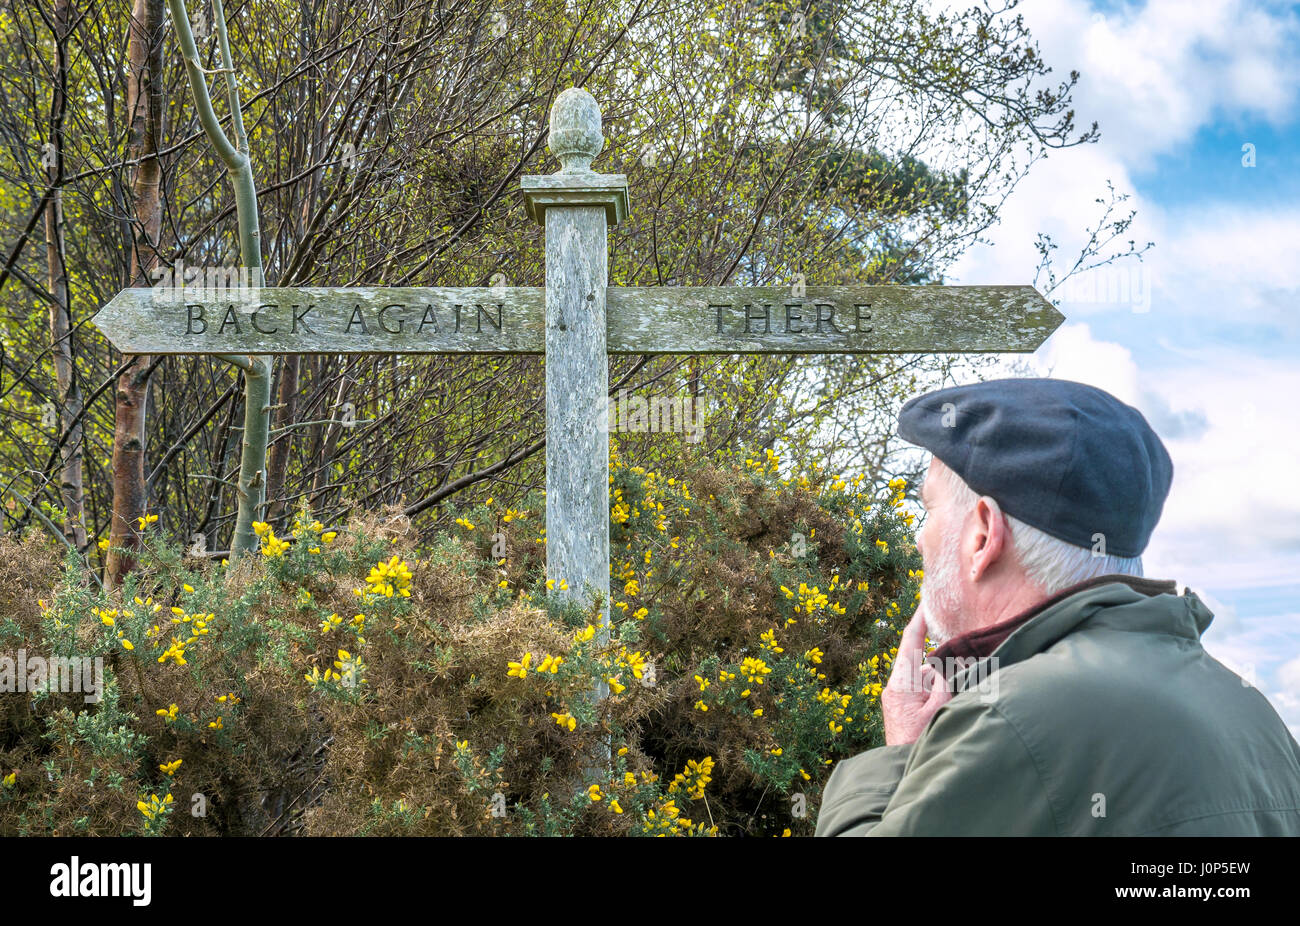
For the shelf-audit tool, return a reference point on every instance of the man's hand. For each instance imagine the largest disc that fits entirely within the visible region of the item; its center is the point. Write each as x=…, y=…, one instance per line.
x=916, y=690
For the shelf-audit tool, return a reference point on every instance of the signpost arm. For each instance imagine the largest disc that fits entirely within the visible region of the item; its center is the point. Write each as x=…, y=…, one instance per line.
x=576, y=204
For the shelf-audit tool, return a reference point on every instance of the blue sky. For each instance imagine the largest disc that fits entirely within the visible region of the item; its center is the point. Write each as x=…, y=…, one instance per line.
x=1207, y=342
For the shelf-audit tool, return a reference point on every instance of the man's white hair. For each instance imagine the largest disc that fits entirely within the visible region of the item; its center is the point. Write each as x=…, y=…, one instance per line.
x=1050, y=563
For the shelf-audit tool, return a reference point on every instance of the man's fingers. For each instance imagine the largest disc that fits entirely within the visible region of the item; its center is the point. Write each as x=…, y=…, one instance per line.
x=912, y=646
x=924, y=678
x=911, y=652
x=910, y=702
x=937, y=684
x=914, y=632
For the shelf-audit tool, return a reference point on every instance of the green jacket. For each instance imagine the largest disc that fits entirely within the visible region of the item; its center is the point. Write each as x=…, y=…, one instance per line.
x=1100, y=716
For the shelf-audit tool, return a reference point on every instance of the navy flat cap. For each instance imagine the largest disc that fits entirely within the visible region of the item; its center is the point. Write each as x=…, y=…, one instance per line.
x=1068, y=459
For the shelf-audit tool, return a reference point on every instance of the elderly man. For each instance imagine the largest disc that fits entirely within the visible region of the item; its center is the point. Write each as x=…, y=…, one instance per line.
x=1067, y=695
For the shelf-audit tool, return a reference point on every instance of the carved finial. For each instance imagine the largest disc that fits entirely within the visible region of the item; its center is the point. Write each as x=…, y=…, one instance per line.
x=575, y=137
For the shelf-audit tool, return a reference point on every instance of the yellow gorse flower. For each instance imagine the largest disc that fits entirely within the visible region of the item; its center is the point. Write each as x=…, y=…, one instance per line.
x=634, y=661
x=153, y=806
x=273, y=546
x=390, y=578
x=351, y=668
x=754, y=669
x=693, y=780
x=175, y=652
x=316, y=676
x=811, y=599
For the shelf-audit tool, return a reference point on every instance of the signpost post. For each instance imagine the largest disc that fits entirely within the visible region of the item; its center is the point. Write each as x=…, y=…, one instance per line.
x=576, y=320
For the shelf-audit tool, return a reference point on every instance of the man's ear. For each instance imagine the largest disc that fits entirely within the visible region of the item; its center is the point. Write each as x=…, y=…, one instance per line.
x=991, y=537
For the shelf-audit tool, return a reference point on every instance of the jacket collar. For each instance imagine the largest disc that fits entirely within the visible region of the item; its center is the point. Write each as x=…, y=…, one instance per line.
x=1107, y=598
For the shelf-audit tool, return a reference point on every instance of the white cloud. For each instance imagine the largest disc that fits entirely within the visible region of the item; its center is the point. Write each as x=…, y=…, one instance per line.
x=1072, y=353
x=1233, y=263
x=1233, y=499
x=1153, y=74
x=1289, y=677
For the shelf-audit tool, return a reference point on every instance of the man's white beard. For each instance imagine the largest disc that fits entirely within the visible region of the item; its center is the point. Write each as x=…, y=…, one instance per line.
x=939, y=595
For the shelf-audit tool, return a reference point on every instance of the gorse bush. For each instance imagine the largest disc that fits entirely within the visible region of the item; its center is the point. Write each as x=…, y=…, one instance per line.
x=346, y=682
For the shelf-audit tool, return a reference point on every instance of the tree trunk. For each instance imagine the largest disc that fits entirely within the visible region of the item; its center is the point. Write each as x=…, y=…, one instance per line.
x=144, y=89
x=279, y=456
x=65, y=371
x=258, y=370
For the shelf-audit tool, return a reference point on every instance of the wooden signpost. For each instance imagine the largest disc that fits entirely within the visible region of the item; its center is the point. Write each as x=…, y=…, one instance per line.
x=639, y=320
x=576, y=320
